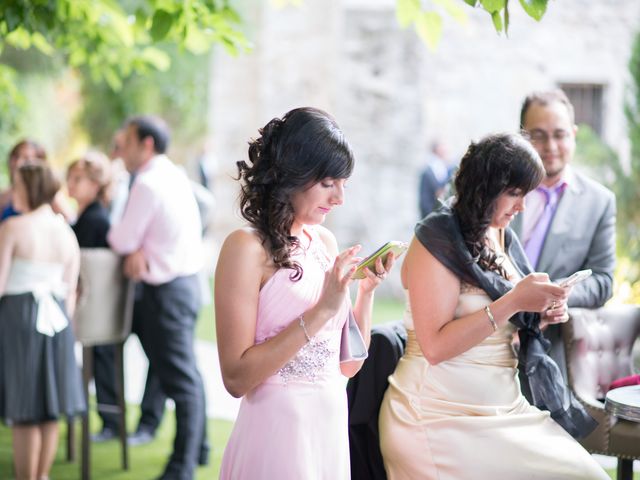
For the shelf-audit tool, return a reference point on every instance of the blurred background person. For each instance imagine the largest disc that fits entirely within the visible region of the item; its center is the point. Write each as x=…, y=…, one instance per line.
x=160, y=235
x=88, y=183
x=120, y=178
x=25, y=151
x=434, y=178
x=39, y=377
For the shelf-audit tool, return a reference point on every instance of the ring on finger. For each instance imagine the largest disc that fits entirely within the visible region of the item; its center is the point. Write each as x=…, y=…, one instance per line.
x=380, y=275
x=553, y=305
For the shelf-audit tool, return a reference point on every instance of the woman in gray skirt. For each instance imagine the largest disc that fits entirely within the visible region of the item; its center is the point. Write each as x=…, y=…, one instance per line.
x=39, y=378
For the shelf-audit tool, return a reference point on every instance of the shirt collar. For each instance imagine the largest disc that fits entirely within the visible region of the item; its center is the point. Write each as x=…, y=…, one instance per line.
x=149, y=165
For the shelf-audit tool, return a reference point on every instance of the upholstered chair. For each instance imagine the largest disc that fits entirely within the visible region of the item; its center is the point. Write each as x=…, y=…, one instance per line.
x=599, y=349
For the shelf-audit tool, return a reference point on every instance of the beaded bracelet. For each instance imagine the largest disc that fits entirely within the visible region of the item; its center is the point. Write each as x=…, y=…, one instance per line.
x=491, y=319
x=304, y=327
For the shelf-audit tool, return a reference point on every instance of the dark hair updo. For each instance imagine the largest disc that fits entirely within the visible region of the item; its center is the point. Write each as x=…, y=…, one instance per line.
x=495, y=164
x=292, y=153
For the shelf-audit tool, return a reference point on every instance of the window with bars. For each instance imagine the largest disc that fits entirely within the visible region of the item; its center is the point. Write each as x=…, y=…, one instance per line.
x=587, y=100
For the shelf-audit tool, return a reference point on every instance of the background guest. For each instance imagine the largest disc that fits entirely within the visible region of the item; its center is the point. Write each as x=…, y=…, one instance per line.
x=160, y=234
x=88, y=183
x=25, y=151
x=39, y=378
x=434, y=178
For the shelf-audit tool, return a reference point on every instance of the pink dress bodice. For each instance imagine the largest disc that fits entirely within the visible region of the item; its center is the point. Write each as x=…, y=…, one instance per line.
x=294, y=424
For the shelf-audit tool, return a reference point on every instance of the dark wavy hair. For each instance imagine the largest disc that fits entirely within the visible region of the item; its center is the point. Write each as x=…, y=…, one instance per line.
x=292, y=154
x=495, y=164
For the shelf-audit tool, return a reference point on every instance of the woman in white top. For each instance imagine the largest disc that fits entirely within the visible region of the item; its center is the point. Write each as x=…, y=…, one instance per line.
x=39, y=379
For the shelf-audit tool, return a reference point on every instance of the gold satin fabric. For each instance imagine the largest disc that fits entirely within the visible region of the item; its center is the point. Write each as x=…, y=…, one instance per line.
x=465, y=418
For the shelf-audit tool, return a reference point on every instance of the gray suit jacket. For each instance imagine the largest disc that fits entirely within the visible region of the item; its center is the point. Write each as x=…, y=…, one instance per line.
x=581, y=235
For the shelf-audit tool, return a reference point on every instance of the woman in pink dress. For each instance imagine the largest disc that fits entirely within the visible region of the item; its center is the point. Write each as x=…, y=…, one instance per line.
x=282, y=302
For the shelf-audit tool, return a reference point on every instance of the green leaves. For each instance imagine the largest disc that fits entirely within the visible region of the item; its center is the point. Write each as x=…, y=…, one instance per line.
x=428, y=21
x=407, y=11
x=534, y=8
x=429, y=28
x=493, y=6
x=111, y=39
x=160, y=25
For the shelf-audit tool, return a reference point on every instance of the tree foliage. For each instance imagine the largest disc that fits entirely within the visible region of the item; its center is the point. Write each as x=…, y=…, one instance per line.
x=622, y=178
x=426, y=17
x=109, y=40
x=112, y=39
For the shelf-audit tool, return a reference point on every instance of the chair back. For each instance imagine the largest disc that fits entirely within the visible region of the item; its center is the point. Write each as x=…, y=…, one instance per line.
x=104, y=308
x=599, y=344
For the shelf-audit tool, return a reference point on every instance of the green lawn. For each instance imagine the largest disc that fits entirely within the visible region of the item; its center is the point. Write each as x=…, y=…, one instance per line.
x=146, y=461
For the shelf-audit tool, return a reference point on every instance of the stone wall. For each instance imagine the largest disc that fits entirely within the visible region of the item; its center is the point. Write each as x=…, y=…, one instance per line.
x=391, y=95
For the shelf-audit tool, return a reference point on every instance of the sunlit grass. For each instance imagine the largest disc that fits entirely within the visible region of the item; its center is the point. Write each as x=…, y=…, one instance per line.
x=145, y=461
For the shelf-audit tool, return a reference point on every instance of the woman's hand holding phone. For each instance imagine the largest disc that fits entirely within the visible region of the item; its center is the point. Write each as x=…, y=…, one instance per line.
x=374, y=268
x=558, y=311
x=393, y=247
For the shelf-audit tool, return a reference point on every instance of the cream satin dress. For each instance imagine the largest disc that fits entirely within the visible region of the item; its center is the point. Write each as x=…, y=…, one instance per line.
x=465, y=418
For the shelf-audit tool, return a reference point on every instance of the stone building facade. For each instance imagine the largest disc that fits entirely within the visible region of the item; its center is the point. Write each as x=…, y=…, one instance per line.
x=392, y=96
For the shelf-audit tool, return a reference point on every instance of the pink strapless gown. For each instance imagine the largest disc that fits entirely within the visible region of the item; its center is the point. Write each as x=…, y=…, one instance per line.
x=294, y=424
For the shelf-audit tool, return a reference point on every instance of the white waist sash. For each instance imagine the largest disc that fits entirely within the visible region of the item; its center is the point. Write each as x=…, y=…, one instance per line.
x=50, y=318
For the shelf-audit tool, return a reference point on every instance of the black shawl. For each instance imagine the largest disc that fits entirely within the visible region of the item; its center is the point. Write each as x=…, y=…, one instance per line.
x=440, y=234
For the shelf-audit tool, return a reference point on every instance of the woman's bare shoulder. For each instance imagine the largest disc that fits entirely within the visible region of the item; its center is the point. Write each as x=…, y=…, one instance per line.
x=245, y=241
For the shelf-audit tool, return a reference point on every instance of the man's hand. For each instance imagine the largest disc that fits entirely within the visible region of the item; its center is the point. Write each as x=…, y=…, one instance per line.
x=135, y=265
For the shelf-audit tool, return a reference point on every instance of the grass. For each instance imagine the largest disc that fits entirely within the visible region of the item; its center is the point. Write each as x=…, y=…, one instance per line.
x=145, y=462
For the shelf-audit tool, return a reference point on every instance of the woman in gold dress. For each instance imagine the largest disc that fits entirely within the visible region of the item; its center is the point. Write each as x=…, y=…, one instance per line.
x=453, y=409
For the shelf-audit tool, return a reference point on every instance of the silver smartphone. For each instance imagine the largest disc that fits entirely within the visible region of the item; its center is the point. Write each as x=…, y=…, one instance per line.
x=577, y=277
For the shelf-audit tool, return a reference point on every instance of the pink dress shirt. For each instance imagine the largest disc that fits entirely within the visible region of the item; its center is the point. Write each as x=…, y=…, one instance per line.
x=161, y=217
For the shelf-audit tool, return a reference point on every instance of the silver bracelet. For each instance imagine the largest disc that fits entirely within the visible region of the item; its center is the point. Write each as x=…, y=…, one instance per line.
x=304, y=327
x=491, y=319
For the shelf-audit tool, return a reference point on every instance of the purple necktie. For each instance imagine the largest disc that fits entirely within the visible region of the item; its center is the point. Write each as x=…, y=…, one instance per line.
x=533, y=247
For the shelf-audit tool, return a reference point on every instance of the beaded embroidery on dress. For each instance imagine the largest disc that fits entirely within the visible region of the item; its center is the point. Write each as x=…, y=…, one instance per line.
x=312, y=358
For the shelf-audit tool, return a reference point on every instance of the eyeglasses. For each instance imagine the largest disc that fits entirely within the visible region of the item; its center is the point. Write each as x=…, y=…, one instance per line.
x=541, y=137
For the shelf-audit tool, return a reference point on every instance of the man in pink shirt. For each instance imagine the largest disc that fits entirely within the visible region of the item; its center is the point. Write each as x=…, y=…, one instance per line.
x=159, y=233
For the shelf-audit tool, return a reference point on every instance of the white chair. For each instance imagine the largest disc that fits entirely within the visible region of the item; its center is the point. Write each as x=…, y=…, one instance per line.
x=103, y=316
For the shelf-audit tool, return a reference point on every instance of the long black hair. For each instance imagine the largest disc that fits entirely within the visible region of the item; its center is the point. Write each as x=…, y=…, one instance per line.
x=495, y=164
x=292, y=153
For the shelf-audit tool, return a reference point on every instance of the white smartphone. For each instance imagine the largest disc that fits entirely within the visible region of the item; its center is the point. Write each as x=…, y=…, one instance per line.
x=575, y=278
x=398, y=248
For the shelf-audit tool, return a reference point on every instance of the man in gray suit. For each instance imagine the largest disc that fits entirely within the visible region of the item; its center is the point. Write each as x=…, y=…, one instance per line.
x=569, y=221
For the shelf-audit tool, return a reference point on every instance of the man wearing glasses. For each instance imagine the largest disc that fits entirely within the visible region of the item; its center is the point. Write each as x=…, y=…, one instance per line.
x=569, y=220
